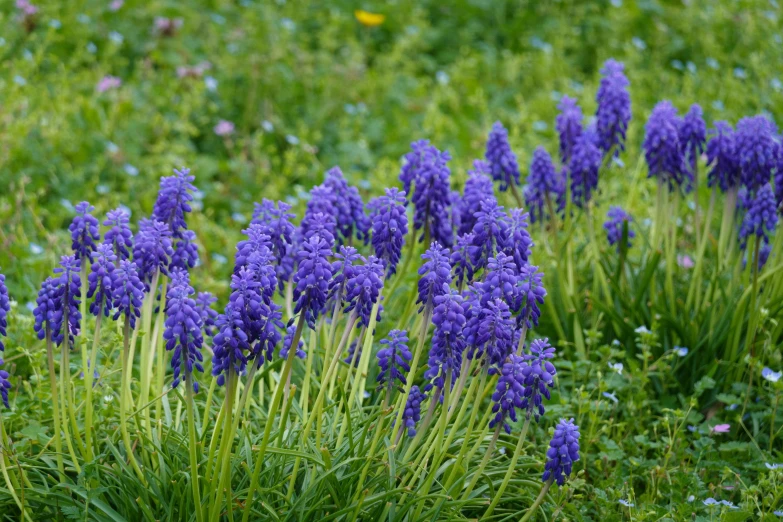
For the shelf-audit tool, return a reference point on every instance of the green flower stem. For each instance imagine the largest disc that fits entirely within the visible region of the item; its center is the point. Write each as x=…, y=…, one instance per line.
x=483, y=464
x=273, y=412
x=194, y=480
x=224, y=453
x=510, y=469
x=160, y=358
x=88, y=384
x=538, y=501
x=10, y=480
x=146, y=329
x=214, y=441
x=331, y=338
x=364, y=361
x=58, y=445
x=671, y=248
x=124, y=390
x=208, y=407
x=522, y=336
x=754, y=309
x=694, y=290
x=696, y=216
x=727, y=225
x=379, y=429
x=424, y=428
x=66, y=394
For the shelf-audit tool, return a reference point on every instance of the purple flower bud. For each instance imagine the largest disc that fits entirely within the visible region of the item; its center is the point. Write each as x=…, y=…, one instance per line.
x=543, y=182
x=412, y=412
x=722, y=157
x=348, y=207
x=185, y=254
x=100, y=280
x=5, y=384
x=502, y=160
x=5, y=307
x=319, y=217
x=761, y=218
x=539, y=377
x=276, y=223
x=58, y=298
x=435, y=275
x=662, y=148
x=563, y=452
x=448, y=341
x=363, y=288
x=342, y=271
x=289, y=338
x=256, y=254
x=389, y=228
x=569, y=126
x=182, y=333
x=127, y=292
x=509, y=393
x=490, y=234
x=311, y=281
x=48, y=320
x=692, y=135
x=393, y=359
x=757, y=147
x=478, y=188
x=119, y=235
x=531, y=293
x=614, y=226
x=583, y=166
x=173, y=201
x=519, y=241
x=230, y=345
x=614, y=107
x=490, y=331
x=501, y=281
x=460, y=259
x=152, y=251
x=427, y=168
x=204, y=302
x=354, y=354
x=84, y=231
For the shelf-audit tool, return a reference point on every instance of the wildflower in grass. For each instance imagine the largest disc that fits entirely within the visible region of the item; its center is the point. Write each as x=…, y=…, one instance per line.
x=108, y=83
x=363, y=289
x=435, y=275
x=761, y=218
x=721, y=428
x=5, y=384
x=48, y=320
x=611, y=396
x=223, y=128
x=662, y=148
x=275, y=222
x=257, y=248
x=26, y=8
x=173, y=202
x=770, y=375
x=119, y=235
x=320, y=205
x=152, y=251
x=311, y=281
x=68, y=284
x=539, y=377
x=127, y=292
x=100, y=280
x=543, y=184
x=773, y=466
x=5, y=307
x=412, y=413
x=368, y=19
x=460, y=259
x=519, y=241
x=393, y=359
x=250, y=299
x=692, y=134
x=531, y=293
x=509, y=392
x=722, y=158
x=583, y=167
x=448, y=342
x=709, y=501
x=354, y=354
x=389, y=228
x=569, y=126
x=182, y=334
x=413, y=163
x=204, y=302
x=348, y=206
x=426, y=170
x=342, y=270
x=478, y=188
x=500, y=281
x=757, y=150
x=685, y=261
x=563, y=452
x=185, y=254
x=614, y=108
x=625, y=503
x=163, y=26
x=288, y=339
x=490, y=331
x=617, y=218
x=490, y=234
x=681, y=351
x=616, y=367
x=502, y=160
x=230, y=345
x=84, y=231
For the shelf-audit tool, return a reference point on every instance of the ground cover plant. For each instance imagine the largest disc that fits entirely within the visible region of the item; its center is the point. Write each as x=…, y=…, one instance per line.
x=506, y=303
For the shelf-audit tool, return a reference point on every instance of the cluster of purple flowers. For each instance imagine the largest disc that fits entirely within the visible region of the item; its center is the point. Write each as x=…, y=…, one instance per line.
x=393, y=359
x=618, y=219
x=5, y=307
x=614, y=108
x=182, y=333
x=662, y=147
x=563, y=452
x=545, y=187
x=502, y=160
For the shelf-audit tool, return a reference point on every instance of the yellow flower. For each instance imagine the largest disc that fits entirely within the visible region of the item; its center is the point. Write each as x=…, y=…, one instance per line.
x=368, y=19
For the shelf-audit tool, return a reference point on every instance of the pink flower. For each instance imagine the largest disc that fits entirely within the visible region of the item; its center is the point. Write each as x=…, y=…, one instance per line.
x=116, y=4
x=721, y=428
x=224, y=128
x=26, y=7
x=685, y=261
x=108, y=82
x=167, y=26
x=195, y=71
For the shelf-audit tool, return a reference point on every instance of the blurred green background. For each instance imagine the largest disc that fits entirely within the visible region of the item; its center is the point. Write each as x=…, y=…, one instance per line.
x=307, y=86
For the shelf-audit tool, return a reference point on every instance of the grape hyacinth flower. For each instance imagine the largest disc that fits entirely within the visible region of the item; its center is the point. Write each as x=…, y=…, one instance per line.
x=119, y=235
x=692, y=136
x=311, y=281
x=230, y=345
x=614, y=108
x=614, y=226
x=490, y=234
x=761, y=217
x=583, y=167
x=662, y=148
x=519, y=241
x=276, y=223
x=435, y=275
x=5, y=384
x=152, y=251
x=182, y=334
x=563, y=452
x=478, y=188
x=569, y=127
x=48, y=320
x=502, y=160
x=67, y=298
x=531, y=293
x=354, y=354
x=412, y=413
x=127, y=292
x=393, y=359
x=348, y=206
x=204, y=302
x=287, y=340
x=363, y=289
x=248, y=300
x=319, y=217
x=539, y=377
x=174, y=197
x=100, y=280
x=426, y=169
x=5, y=307
x=257, y=242
x=185, y=254
x=543, y=185
x=389, y=228
x=455, y=212
x=460, y=259
x=757, y=150
x=722, y=158
x=84, y=231
x=491, y=332
x=448, y=342
x=509, y=392
x=501, y=281
x=342, y=271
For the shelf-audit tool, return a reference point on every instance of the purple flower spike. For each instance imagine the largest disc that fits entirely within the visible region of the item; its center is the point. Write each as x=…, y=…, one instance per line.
x=426, y=169
x=722, y=158
x=354, y=354
x=230, y=345
x=48, y=320
x=311, y=281
x=342, y=271
x=412, y=413
x=583, y=166
x=569, y=126
x=276, y=223
x=543, y=182
x=478, y=188
x=460, y=259
x=761, y=218
x=393, y=359
x=519, y=241
x=100, y=280
x=693, y=135
x=501, y=281
x=491, y=332
x=204, y=302
x=5, y=307
x=509, y=393
x=127, y=292
x=363, y=289
x=531, y=294
x=174, y=197
x=59, y=296
x=435, y=275
x=448, y=341
x=614, y=226
x=389, y=228
x=563, y=452
x=662, y=148
x=287, y=340
x=348, y=206
x=5, y=385
x=490, y=234
x=84, y=231
x=757, y=149
x=320, y=215
x=614, y=108
x=182, y=334
x=185, y=254
x=119, y=235
x=502, y=160
x=152, y=251
x=539, y=377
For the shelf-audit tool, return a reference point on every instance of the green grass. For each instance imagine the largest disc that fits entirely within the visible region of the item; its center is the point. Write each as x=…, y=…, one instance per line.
x=308, y=87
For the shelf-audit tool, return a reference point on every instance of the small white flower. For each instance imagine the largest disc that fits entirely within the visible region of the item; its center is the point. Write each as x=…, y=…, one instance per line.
x=642, y=330
x=691, y=498
x=130, y=170
x=92, y=48
x=112, y=147
x=18, y=80
x=442, y=77
x=55, y=24
x=611, y=396
x=773, y=465
x=36, y=250
x=710, y=502
x=267, y=126
x=210, y=83
x=770, y=375
x=291, y=139
x=639, y=43
x=116, y=37
x=625, y=503
x=681, y=351
x=617, y=367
